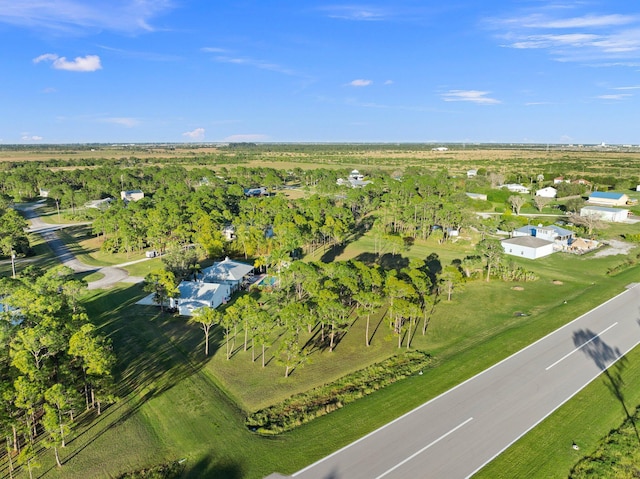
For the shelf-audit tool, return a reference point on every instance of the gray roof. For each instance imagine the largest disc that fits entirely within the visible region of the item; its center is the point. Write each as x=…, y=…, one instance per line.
x=528, y=241
x=603, y=209
x=562, y=231
x=227, y=270
x=196, y=294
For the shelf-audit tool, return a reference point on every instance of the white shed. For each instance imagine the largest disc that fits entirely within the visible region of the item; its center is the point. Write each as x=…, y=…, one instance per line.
x=614, y=215
x=527, y=247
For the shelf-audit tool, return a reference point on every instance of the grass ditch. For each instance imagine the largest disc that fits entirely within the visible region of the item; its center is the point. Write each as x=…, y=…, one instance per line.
x=304, y=407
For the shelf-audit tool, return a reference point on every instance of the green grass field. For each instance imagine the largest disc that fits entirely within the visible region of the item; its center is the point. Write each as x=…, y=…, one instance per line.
x=177, y=404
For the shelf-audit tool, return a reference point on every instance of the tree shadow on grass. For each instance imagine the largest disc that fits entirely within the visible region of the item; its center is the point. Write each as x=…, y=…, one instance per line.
x=154, y=351
x=387, y=261
x=611, y=362
x=210, y=468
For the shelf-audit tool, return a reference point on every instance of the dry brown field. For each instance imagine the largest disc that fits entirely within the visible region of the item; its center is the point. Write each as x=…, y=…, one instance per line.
x=570, y=162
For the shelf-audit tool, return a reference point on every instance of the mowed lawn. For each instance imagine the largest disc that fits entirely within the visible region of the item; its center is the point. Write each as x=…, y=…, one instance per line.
x=178, y=404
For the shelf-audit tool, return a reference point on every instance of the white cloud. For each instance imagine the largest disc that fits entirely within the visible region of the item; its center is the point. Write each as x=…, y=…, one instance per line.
x=27, y=137
x=123, y=121
x=361, y=82
x=263, y=65
x=388, y=82
x=474, y=96
x=586, y=21
x=244, y=138
x=356, y=12
x=618, y=96
x=213, y=50
x=73, y=16
x=195, y=135
x=89, y=63
x=577, y=38
x=634, y=87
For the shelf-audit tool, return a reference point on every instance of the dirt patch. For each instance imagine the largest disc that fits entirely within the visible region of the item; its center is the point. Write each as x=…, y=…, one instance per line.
x=615, y=247
x=557, y=282
x=518, y=288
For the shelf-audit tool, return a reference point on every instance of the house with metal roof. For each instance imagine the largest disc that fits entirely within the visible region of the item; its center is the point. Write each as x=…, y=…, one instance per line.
x=608, y=198
x=560, y=236
x=228, y=272
x=196, y=294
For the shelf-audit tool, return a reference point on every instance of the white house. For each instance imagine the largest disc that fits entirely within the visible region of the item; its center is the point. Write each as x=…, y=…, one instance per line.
x=548, y=192
x=355, y=180
x=638, y=188
x=614, y=215
x=131, y=195
x=356, y=175
x=440, y=148
x=262, y=190
x=560, y=236
x=516, y=188
x=229, y=232
x=608, y=198
x=472, y=173
x=228, y=272
x=527, y=247
x=195, y=294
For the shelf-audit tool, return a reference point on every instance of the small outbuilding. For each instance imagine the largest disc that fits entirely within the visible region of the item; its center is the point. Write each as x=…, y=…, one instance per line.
x=613, y=215
x=528, y=247
x=131, y=195
x=608, y=198
x=477, y=196
x=516, y=188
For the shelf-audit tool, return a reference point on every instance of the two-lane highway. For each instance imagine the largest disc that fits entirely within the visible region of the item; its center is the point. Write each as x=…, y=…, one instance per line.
x=457, y=433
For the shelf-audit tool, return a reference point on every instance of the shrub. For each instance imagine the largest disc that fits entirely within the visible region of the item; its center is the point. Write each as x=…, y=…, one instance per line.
x=304, y=407
x=171, y=470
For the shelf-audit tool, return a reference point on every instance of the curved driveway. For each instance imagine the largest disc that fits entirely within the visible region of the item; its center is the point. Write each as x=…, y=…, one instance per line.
x=110, y=274
x=457, y=433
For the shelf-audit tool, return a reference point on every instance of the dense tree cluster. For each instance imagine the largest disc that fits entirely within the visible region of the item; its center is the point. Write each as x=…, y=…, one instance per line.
x=316, y=303
x=13, y=239
x=53, y=361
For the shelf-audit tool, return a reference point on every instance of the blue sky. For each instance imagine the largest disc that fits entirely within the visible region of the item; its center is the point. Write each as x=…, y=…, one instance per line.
x=537, y=71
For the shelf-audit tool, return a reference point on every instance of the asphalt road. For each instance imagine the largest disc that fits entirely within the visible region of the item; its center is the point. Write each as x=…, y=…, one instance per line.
x=110, y=274
x=457, y=433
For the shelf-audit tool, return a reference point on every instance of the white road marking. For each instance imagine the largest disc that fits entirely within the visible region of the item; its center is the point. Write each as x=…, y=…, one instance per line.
x=424, y=449
x=580, y=347
x=473, y=378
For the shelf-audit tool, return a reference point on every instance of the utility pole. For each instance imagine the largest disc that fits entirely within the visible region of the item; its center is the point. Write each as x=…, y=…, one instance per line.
x=13, y=263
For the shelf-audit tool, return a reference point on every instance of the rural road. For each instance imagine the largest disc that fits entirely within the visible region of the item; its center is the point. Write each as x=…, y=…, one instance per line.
x=110, y=274
x=457, y=433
